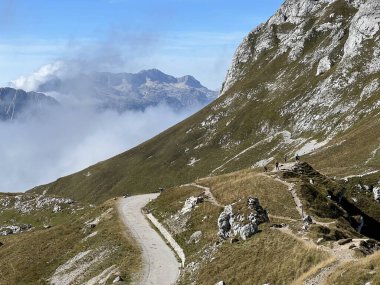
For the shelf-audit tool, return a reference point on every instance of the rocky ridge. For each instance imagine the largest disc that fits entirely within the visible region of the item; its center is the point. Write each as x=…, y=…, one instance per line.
x=15, y=103
x=131, y=91
x=28, y=203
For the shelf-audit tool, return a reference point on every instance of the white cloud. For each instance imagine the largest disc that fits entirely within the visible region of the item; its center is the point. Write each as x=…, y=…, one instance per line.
x=43, y=74
x=40, y=150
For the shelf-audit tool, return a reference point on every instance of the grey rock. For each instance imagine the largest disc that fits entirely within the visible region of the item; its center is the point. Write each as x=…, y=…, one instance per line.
x=278, y=226
x=224, y=222
x=344, y=241
x=14, y=229
x=307, y=220
x=369, y=246
x=248, y=230
x=220, y=283
x=195, y=237
x=232, y=225
x=118, y=279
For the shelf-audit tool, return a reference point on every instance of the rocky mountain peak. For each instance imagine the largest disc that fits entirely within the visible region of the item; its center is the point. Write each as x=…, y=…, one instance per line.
x=190, y=81
x=157, y=75
x=353, y=22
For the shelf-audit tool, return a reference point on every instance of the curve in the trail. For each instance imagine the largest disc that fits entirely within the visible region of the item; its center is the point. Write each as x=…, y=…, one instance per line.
x=160, y=266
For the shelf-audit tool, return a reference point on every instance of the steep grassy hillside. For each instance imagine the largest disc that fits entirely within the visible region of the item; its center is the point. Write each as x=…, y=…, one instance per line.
x=70, y=245
x=317, y=249
x=305, y=80
x=243, y=262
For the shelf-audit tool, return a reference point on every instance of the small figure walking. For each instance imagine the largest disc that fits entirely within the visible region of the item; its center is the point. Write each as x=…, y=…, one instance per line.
x=286, y=158
x=277, y=166
x=297, y=159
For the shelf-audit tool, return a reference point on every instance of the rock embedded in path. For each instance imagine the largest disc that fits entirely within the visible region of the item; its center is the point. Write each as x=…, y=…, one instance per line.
x=220, y=283
x=344, y=241
x=278, y=226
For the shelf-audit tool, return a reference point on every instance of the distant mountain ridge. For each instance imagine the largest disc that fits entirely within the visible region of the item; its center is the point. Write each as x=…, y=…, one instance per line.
x=133, y=91
x=15, y=103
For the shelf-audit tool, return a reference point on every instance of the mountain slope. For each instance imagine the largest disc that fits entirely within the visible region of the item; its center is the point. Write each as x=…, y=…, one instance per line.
x=18, y=103
x=65, y=242
x=279, y=98
x=129, y=91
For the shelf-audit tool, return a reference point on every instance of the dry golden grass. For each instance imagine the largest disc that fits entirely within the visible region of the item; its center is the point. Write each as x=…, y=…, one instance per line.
x=273, y=195
x=32, y=257
x=268, y=257
x=172, y=200
x=313, y=271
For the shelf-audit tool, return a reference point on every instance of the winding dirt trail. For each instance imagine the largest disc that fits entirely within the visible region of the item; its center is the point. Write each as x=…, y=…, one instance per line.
x=160, y=266
x=208, y=193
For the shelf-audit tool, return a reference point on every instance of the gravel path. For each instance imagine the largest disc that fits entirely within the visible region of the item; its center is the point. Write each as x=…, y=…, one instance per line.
x=160, y=266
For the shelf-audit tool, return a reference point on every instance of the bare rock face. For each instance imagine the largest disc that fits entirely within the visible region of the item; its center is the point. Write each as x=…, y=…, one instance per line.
x=232, y=224
x=324, y=65
x=259, y=214
x=14, y=229
x=190, y=203
x=320, y=39
x=28, y=203
x=376, y=194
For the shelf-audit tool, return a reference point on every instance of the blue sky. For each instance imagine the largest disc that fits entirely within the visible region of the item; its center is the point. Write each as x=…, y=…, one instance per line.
x=196, y=37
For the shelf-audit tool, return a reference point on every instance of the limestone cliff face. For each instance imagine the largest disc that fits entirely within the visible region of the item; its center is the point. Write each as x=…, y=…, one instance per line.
x=325, y=55
x=303, y=19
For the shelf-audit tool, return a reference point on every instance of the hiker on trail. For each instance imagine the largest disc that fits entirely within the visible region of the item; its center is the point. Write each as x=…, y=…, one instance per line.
x=297, y=159
x=277, y=166
x=286, y=158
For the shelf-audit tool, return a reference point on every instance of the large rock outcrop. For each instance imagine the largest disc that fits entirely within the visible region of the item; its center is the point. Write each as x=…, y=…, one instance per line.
x=232, y=224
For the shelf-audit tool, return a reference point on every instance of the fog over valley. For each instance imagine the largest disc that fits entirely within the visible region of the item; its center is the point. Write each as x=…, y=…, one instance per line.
x=63, y=140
